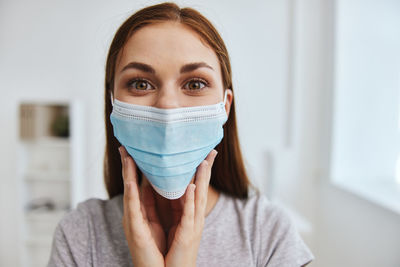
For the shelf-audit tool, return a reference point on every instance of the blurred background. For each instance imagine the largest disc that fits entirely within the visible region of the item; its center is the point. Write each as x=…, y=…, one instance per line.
x=316, y=85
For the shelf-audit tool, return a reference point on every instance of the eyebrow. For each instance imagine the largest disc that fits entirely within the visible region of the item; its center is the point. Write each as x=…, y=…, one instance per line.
x=147, y=68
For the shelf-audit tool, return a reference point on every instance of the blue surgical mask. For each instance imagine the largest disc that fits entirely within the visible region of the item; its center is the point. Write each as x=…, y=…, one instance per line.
x=168, y=144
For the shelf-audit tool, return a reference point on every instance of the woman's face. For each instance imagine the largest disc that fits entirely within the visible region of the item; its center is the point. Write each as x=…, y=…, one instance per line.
x=167, y=65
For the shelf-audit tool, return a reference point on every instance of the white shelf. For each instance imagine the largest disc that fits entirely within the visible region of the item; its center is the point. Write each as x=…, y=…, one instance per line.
x=40, y=225
x=47, y=176
x=50, y=174
x=61, y=142
x=42, y=215
x=42, y=241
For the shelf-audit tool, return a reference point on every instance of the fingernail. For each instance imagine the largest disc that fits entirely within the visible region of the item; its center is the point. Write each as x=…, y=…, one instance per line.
x=119, y=149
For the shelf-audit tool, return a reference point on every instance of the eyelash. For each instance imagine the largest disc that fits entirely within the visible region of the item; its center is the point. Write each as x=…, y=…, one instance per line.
x=138, y=79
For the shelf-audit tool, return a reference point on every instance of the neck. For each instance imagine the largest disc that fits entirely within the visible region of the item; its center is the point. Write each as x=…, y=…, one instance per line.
x=164, y=205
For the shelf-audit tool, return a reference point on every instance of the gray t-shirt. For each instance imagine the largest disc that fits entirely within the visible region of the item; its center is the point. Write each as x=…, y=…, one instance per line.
x=251, y=232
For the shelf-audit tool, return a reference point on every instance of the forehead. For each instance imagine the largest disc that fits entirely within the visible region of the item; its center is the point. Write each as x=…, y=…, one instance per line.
x=167, y=44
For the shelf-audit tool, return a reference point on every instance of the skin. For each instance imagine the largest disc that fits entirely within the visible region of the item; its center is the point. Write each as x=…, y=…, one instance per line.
x=162, y=232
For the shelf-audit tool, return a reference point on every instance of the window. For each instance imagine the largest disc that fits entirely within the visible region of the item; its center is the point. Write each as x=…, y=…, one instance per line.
x=366, y=109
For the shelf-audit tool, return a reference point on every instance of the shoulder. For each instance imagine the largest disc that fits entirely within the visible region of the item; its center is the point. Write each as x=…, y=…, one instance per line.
x=78, y=228
x=257, y=211
x=276, y=241
x=93, y=209
x=97, y=206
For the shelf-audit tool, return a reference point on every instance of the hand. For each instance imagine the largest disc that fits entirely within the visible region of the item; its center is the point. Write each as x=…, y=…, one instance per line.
x=184, y=237
x=143, y=231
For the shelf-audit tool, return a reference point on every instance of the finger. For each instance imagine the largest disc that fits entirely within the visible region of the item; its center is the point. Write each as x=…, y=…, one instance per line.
x=202, y=182
x=150, y=204
x=210, y=160
x=131, y=191
x=187, y=219
x=142, y=207
x=202, y=186
x=128, y=170
x=211, y=157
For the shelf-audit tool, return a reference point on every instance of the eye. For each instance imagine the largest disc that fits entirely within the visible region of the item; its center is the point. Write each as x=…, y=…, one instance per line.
x=196, y=84
x=139, y=84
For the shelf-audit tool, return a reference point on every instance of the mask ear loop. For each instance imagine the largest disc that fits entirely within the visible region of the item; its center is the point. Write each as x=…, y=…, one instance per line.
x=226, y=93
x=112, y=98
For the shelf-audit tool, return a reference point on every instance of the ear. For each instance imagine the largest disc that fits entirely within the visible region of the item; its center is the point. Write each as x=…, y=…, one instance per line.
x=229, y=99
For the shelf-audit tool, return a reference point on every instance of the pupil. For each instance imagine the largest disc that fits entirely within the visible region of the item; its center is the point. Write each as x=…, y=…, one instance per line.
x=141, y=85
x=195, y=85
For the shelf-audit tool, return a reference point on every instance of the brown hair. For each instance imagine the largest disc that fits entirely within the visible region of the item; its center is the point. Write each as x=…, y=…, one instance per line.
x=228, y=173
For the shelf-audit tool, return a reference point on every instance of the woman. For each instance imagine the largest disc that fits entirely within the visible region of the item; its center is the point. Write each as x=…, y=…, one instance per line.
x=173, y=201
